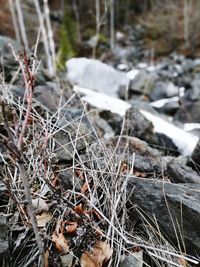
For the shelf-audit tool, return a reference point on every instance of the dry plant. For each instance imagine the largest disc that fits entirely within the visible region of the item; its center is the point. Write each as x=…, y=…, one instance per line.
x=89, y=221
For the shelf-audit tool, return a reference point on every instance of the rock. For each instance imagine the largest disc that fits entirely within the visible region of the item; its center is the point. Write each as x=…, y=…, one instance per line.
x=113, y=119
x=166, y=145
x=144, y=82
x=138, y=126
x=163, y=90
x=69, y=180
x=92, y=121
x=130, y=145
x=188, y=112
x=71, y=139
x=45, y=95
x=67, y=260
x=182, y=207
x=144, y=105
x=130, y=150
x=188, y=65
x=95, y=75
x=124, y=54
x=4, y=244
x=133, y=260
x=196, y=156
x=169, y=108
x=48, y=96
x=194, y=94
x=178, y=172
x=5, y=49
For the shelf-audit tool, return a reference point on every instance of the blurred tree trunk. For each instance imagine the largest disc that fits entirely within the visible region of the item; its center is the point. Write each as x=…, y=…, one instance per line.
x=97, y=8
x=112, y=24
x=78, y=28
x=186, y=23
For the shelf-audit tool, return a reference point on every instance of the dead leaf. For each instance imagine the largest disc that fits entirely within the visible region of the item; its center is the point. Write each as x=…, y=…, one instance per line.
x=61, y=242
x=84, y=188
x=88, y=261
x=99, y=255
x=96, y=214
x=43, y=219
x=79, y=209
x=80, y=174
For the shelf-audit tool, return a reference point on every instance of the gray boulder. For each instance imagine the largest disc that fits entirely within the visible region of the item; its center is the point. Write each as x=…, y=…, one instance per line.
x=70, y=140
x=188, y=112
x=95, y=75
x=138, y=126
x=175, y=207
x=163, y=90
x=144, y=82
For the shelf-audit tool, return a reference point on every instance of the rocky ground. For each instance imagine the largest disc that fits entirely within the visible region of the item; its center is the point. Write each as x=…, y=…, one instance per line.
x=111, y=153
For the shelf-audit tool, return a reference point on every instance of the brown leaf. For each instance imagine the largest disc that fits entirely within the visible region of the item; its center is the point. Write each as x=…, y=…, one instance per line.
x=79, y=209
x=99, y=255
x=84, y=188
x=88, y=261
x=60, y=242
x=71, y=227
x=79, y=174
x=43, y=219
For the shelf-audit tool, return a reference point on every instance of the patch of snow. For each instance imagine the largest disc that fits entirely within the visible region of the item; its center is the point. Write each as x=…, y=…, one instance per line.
x=151, y=68
x=122, y=66
x=191, y=126
x=181, y=91
x=103, y=101
x=160, y=103
x=185, y=142
x=132, y=74
x=119, y=36
x=142, y=65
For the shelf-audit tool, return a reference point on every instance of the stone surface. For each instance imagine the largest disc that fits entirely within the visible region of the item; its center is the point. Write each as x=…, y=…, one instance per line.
x=188, y=112
x=71, y=139
x=163, y=90
x=196, y=156
x=167, y=202
x=68, y=179
x=166, y=145
x=95, y=75
x=137, y=125
x=144, y=82
x=130, y=150
x=4, y=242
x=180, y=173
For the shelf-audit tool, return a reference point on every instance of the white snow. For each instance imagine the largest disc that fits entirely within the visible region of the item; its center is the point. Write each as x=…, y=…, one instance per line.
x=122, y=66
x=132, y=74
x=103, y=101
x=185, y=142
x=160, y=103
x=191, y=126
x=142, y=65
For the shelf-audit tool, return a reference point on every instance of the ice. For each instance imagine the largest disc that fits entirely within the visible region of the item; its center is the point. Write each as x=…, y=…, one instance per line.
x=184, y=141
x=103, y=101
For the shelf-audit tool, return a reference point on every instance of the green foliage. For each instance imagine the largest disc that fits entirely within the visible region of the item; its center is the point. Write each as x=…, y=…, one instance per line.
x=67, y=40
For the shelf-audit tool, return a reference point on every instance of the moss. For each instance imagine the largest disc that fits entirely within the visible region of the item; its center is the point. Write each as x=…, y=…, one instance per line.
x=67, y=40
